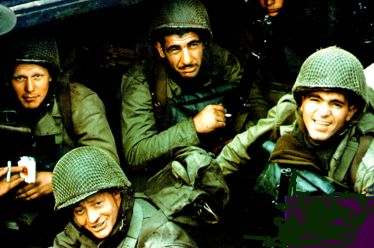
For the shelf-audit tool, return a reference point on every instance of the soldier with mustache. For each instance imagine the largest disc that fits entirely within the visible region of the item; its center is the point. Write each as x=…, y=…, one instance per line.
x=185, y=94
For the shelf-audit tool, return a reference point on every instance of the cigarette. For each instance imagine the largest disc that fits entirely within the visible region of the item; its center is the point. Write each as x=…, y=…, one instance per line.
x=9, y=173
x=228, y=115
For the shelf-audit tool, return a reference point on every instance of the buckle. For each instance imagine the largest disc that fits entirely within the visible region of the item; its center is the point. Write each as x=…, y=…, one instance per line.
x=205, y=212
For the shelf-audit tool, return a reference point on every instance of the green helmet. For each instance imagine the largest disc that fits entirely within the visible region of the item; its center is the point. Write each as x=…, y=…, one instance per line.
x=84, y=171
x=332, y=68
x=35, y=49
x=7, y=19
x=182, y=14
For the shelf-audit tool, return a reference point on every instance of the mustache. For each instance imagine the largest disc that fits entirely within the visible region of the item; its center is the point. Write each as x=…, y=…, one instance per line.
x=187, y=66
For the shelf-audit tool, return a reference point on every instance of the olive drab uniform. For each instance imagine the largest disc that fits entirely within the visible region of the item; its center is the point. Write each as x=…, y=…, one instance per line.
x=158, y=106
x=139, y=223
x=174, y=125
x=41, y=134
x=162, y=149
x=331, y=68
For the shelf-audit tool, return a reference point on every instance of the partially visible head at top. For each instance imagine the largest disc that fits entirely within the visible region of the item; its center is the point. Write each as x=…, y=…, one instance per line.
x=92, y=185
x=179, y=32
x=8, y=19
x=330, y=91
x=272, y=7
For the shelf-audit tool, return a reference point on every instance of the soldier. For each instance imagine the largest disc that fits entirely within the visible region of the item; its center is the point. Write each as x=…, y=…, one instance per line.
x=42, y=117
x=326, y=127
x=103, y=209
x=184, y=95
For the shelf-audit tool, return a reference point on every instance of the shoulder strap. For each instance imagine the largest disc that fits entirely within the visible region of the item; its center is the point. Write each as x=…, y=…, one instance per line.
x=346, y=160
x=364, y=144
x=159, y=89
x=64, y=100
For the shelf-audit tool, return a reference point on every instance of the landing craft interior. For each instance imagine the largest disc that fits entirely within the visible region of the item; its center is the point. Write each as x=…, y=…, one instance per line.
x=99, y=40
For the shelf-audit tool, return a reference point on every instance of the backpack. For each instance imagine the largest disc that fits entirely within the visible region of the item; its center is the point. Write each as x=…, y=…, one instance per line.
x=191, y=189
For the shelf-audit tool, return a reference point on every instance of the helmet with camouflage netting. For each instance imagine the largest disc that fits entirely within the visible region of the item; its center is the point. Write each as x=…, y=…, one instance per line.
x=181, y=14
x=84, y=171
x=332, y=69
x=34, y=48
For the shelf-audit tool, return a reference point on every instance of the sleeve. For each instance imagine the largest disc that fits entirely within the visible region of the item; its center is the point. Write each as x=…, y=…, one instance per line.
x=235, y=153
x=91, y=126
x=364, y=183
x=142, y=143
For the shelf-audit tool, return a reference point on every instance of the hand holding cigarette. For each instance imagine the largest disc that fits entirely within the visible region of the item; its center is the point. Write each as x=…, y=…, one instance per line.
x=9, y=178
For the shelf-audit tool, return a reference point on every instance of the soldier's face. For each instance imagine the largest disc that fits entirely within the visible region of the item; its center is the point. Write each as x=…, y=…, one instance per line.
x=98, y=213
x=325, y=114
x=272, y=6
x=31, y=84
x=184, y=53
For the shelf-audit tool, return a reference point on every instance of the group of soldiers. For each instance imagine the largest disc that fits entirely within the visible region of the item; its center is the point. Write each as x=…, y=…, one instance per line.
x=185, y=129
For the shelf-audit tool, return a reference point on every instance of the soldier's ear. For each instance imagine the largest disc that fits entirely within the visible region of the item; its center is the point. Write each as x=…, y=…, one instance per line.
x=160, y=49
x=117, y=197
x=352, y=110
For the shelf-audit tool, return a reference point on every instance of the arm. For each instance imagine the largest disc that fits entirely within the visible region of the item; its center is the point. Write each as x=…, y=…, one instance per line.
x=235, y=153
x=91, y=126
x=141, y=141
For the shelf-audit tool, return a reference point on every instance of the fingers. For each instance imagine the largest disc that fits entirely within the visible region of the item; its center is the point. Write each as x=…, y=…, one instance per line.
x=210, y=118
x=17, y=169
x=28, y=192
x=7, y=185
x=3, y=171
x=14, y=169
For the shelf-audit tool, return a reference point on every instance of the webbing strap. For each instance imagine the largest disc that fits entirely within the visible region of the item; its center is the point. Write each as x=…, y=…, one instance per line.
x=352, y=158
x=365, y=142
x=65, y=103
x=346, y=160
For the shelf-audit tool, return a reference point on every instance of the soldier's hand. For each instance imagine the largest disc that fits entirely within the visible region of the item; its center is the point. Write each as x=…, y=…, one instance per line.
x=15, y=179
x=42, y=186
x=210, y=118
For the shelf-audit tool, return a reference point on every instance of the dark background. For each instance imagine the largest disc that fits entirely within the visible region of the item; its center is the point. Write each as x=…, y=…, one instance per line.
x=100, y=40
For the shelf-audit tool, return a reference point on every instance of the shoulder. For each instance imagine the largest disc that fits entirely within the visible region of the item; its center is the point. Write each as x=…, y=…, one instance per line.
x=84, y=99
x=72, y=237
x=284, y=111
x=219, y=53
x=366, y=123
x=80, y=91
x=136, y=74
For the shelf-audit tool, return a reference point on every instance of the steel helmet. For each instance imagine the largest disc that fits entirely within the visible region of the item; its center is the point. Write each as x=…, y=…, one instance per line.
x=7, y=19
x=332, y=68
x=35, y=49
x=84, y=171
x=182, y=14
